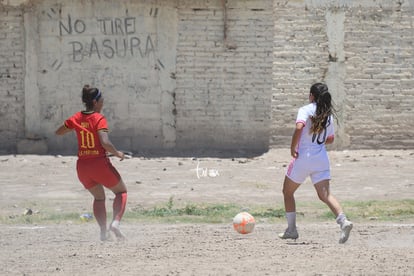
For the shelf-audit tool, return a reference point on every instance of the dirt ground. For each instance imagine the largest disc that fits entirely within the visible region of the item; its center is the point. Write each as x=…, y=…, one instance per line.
x=374, y=248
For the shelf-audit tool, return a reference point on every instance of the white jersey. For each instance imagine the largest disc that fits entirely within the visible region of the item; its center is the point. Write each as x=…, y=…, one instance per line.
x=312, y=156
x=310, y=142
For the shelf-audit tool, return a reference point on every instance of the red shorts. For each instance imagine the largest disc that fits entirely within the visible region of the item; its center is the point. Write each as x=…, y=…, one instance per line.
x=94, y=171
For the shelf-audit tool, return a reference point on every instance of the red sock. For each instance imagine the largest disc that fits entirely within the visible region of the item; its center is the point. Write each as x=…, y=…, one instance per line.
x=119, y=205
x=99, y=210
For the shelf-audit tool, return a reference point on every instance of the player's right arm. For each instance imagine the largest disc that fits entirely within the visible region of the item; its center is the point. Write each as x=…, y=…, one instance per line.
x=329, y=140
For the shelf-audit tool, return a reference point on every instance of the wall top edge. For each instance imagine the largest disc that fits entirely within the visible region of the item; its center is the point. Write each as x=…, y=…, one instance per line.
x=13, y=3
x=385, y=4
x=381, y=4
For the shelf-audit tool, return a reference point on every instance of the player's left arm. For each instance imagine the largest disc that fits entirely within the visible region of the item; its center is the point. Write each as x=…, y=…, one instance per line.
x=62, y=130
x=107, y=144
x=330, y=131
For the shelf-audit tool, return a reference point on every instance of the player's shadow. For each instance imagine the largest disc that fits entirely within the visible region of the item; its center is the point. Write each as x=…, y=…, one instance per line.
x=300, y=243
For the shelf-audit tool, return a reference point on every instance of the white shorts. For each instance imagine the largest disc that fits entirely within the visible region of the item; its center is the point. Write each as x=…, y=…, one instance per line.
x=317, y=167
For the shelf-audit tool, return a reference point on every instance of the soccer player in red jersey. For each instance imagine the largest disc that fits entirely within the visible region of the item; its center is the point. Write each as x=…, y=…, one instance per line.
x=94, y=168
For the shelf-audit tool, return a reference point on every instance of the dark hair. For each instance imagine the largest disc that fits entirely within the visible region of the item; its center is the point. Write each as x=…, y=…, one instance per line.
x=324, y=107
x=89, y=94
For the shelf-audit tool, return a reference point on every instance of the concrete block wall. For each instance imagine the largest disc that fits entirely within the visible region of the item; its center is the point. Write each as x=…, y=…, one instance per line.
x=224, y=74
x=176, y=75
x=363, y=50
x=11, y=78
x=300, y=59
x=126, y=49
x=379, y=83
x=217, y=74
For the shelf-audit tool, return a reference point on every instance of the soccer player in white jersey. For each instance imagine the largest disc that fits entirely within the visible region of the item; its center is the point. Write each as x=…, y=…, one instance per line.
x=314, y=129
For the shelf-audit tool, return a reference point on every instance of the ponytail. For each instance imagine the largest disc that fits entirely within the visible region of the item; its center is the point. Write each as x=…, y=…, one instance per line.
x=324, y=108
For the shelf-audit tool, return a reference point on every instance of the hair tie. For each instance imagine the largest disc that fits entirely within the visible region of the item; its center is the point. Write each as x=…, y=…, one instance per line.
x=97, y=95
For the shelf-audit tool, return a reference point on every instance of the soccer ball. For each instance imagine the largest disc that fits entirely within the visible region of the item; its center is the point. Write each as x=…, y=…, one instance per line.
x=244, y=223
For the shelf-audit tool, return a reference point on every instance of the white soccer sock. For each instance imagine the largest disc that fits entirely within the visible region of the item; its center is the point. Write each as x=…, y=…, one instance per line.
x=291, y=220
x=340, y=218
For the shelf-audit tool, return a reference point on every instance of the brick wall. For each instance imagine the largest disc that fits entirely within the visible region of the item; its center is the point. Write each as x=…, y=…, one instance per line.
x=214, y=75
x=300, y=59
x=379, y=82
x=193, y=75
x=363, y=50
x=224, y=65
x=11, y=78
x=126, y=49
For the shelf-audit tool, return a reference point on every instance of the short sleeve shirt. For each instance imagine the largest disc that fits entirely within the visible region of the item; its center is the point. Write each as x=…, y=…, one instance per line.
x=87, y=126
x=309, y=140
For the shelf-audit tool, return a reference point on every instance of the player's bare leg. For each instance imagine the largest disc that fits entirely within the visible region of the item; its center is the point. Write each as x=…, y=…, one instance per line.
x=99, y=209
x=324, y=194
x=289, y=188
x=119, y=205
x=322, y=188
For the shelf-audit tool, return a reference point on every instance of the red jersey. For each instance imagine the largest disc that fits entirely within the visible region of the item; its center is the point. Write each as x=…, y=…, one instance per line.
x=86, y=125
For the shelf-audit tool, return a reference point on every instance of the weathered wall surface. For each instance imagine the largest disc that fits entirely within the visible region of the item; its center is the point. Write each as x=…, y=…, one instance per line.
x=11, y=77
x=363, y=50
x=192, y=74
x=170, y=79
x=379, y=83
x=127, y=49
x=224, y=74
